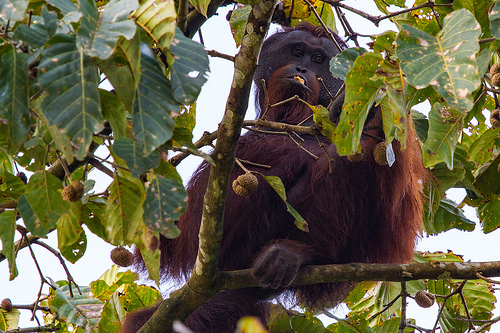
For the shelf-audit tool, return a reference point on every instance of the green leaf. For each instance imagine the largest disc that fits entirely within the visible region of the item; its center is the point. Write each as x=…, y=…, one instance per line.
x=322, y=119
x=283, y=321
x=65, y=6
x=71, y=238
x=110, y=281
x=114, y=112
x=394, y=116
x=483, y=147
x=42, y=204
x=36, y=35
x=342, y=63
x=165, y=202
x=494, y=16
x=9, y=320
x=152, y=124
x=278, y=186
x=111, y=315
x=14, y=93
x=238, y=22
x=133, y=154
x=138, y=297
x=489, y=214
x=122, y=69
x=70, y=81
x=7, y=231
x=446, y=62
x=100, y=30
x=448, y=216
x=80, y=310
x=445, y=126
x=189, y=69
x=201, y=6
x=158, y=19
x=123, y=212
x=479, y=9
x=13, y=10
x=361, y=90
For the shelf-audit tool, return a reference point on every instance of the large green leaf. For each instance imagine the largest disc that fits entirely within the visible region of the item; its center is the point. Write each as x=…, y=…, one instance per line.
x=80, y=310
x=479, y=9
x=42, y=204
x=7, y=230
x=446, y=62
x=132, y=153
x=165, y=203
x=14, y=93
x=100, y=30
x=158, y=19
x=111, y=315
x=189, y=68
x=152, y=124
x=71, y=238
x=200, y=5
x=70, y=81
x=122, y=69
x=445, y=126
x=122, y=215
x=36, y=35
x=13, y=10
x=361, y=90
x=483, y=147
x=448, y=216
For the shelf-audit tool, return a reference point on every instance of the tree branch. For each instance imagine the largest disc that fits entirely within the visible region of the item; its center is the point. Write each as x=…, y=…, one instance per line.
x=204, y=281
x=357, y=272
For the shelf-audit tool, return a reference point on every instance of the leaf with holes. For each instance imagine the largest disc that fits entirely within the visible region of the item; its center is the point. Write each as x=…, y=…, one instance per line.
x=100, y=29
x=190, y=68
x=72, y=102
x=361, y=90
x=165, y=202
x=80, y=309
x=447, y=62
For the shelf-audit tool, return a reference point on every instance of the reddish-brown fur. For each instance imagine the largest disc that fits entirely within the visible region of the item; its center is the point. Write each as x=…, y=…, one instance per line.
x=357, y=212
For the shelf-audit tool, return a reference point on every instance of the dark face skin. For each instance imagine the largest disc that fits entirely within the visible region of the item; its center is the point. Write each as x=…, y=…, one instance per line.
x=309, y=55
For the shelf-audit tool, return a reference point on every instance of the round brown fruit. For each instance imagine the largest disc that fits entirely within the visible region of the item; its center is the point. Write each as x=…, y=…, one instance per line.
x=73, y=192
x=495, y=118
x=6, y=304
x=424, y=299
x=379, y=154
x=245, y=184
x=122, y=257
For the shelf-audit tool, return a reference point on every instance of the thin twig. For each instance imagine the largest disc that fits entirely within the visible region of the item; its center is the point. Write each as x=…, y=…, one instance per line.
x=386, y=307
x=301, y=147
x=402, y=322
x=217, y=54
x=242, y=166
x=255, y=164
x=328, y=31
x=479, y=276
x=377, y=19
x=63, y=264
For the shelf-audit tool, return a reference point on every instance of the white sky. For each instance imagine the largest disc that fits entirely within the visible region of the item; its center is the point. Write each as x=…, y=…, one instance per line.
x=474, y=246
